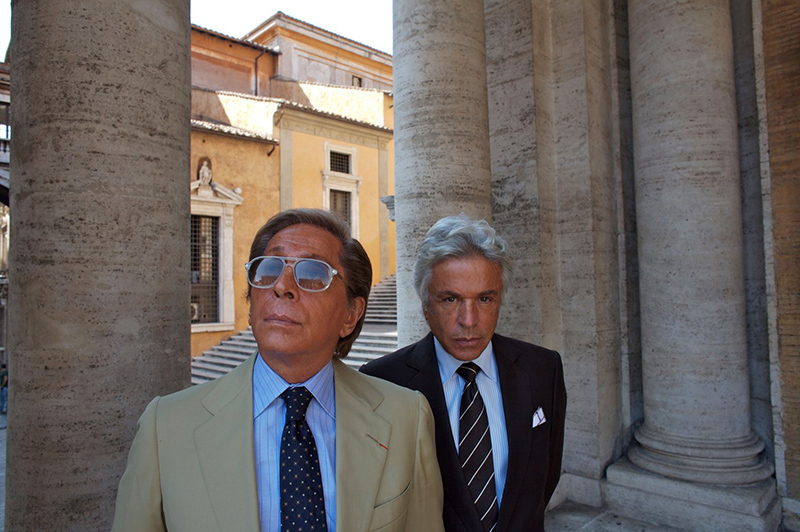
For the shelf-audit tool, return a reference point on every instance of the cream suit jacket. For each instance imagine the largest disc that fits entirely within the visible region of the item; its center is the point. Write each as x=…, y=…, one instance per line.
x=191, y=466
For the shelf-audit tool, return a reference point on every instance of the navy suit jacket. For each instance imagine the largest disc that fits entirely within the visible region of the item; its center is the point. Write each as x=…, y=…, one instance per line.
x=530, y=377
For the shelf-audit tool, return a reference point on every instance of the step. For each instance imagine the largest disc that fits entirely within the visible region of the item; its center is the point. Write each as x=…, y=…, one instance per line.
x=241, y=343
x=372, y=347
x=217, y=352
x=210, y=375
x=235, y=349
x=386, y=348
x=376, y=342
x=364, y=356
x=199, y=368
x=214, y=361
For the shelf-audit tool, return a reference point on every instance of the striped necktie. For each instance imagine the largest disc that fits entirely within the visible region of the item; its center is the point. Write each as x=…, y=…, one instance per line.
x=302, y=501
x=475, y=448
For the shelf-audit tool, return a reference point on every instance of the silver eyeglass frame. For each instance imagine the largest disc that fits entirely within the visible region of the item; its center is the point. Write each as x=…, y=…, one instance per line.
x=286, y=262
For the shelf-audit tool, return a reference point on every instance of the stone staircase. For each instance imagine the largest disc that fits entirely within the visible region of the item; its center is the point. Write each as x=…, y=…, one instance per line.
x=222, y=358
x=377, y=338
x=370, y=345
x=382, y=306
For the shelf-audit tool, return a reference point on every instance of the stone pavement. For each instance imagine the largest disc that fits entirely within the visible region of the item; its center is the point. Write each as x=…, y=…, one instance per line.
x=568, y=517
x=572, y=517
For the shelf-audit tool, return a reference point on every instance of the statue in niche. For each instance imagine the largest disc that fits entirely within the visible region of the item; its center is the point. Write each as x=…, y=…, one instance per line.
x=204, y=175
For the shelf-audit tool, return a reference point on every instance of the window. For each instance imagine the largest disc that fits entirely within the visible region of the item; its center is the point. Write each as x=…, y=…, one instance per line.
x=340, y=183
x=340, y=203
x=358, y=81
x=211, y=256
x=205, y=269
x=340, y=162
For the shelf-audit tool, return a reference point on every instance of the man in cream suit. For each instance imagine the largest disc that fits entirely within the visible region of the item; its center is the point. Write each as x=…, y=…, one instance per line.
x=223, y=456
x=500, y=466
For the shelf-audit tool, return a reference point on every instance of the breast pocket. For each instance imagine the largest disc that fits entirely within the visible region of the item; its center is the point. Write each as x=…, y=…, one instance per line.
x=391, y=515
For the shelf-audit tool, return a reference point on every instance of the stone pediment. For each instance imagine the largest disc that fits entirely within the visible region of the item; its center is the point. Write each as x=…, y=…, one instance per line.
x=214, y=192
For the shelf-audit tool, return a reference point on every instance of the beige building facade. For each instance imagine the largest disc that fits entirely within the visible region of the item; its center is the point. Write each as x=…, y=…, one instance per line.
x=276, y=134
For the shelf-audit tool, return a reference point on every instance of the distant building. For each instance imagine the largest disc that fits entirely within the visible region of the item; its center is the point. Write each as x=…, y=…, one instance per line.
x=290, y=116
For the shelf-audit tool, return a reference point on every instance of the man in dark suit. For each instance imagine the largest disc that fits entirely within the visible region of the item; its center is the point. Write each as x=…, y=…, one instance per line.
x=498, y=403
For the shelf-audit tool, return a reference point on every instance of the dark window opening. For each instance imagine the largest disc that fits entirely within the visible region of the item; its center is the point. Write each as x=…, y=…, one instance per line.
x=340, y=162
x=340, y=203
x=205, y=269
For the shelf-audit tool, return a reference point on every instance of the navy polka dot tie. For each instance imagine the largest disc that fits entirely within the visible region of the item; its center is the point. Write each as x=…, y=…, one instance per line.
x=302, y=503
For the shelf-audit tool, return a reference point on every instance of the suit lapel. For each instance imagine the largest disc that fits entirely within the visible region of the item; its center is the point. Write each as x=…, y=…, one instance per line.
x=429, y=382
x=362, y=440
x=515, y=389
x=225, y=450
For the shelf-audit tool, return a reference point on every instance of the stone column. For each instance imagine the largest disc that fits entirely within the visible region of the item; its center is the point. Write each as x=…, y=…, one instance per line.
x=688, y=202
x=99, y=292
x=441, y=130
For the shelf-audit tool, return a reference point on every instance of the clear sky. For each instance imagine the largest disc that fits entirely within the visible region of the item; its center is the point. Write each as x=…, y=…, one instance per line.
x=366, y=21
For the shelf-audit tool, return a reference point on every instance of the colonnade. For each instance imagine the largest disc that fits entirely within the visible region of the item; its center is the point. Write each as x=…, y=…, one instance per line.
x=695, y=436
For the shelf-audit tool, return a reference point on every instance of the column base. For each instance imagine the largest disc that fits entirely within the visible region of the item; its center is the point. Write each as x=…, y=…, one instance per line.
x=640, y=494
x=725, y=462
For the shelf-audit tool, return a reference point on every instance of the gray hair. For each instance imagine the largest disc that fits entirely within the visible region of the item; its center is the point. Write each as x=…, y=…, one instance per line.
x=460, y=237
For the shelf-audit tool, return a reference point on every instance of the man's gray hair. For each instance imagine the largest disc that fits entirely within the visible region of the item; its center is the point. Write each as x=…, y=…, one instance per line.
x=459, y=237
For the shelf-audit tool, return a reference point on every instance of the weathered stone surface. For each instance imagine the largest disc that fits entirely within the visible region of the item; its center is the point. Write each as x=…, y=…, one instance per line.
x=657, y=499
x=441, y=130
x=98, y=304
x=689, y=223
x=576, y=179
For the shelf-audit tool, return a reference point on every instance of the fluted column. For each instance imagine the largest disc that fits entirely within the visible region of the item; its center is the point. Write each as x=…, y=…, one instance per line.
x=99, y=292
x=441, y=130
x=688, y=204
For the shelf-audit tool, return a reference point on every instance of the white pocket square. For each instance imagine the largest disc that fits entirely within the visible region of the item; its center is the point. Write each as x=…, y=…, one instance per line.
x=538, y=417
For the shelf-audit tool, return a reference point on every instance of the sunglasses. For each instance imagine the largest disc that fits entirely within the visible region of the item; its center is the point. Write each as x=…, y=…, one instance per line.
x=311, y=275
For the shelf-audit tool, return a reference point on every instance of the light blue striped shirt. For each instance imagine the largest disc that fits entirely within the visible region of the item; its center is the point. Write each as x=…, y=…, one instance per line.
x=488, y=382
x=269, y=417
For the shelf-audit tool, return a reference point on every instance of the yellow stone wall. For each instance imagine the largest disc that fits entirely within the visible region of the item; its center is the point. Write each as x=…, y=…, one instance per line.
x=240, y=110
x=223, y=64
x=244, y=164
x=308, y=164
x=366, y=105
x=374, y=107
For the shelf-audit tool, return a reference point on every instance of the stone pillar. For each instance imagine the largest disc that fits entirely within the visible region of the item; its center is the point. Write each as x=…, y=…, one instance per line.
x=694, y=347
x=553, y=149
x=441, y=130
x=99, y=292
